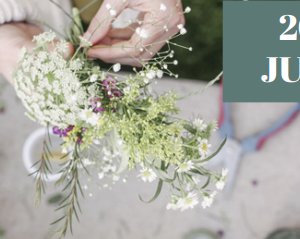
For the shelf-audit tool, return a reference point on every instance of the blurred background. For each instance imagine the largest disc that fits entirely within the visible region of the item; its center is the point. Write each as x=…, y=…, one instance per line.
x=263, y=202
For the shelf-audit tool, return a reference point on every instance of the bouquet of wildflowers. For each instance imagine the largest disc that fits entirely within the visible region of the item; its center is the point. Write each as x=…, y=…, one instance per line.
x=114, y=122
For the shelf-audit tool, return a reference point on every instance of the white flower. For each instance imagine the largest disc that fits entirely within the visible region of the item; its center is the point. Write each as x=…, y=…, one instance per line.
x=84, y=42
x=93, y=78
x=117, y=67
x=62, y=46
x=147, y=174
x=180, y=26
x=208, y=200
x=188, y=202
x=187, y=9
x=44, y=38
x=172, y=206
x=112, y=12
x=203, y=147
x=89, y=116
x=126, y=89
x=185, y=166
x=199, y=124
x=143, y=33
x=162, y=7
x=100, y=175
x=214, y=124
x=183, y=31
x=221, y=182
x=160, y=73
x=150, y=74
x=108, y=6
x=220, y=185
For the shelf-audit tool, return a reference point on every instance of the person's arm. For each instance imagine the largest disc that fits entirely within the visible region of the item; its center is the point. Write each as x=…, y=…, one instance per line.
x=13, y=33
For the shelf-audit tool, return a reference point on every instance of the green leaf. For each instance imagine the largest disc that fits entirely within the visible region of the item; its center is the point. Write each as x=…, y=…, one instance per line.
x=58, y=219
x=207, y=182
x=55, y=199
x=159, y=187
x=190, y=129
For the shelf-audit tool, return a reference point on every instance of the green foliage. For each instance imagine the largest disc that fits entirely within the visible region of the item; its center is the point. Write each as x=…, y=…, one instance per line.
x=204, y=35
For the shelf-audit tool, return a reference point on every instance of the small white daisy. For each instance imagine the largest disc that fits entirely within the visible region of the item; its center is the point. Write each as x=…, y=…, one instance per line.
x=89, y=116
x=188, y=202
x=147, y=174
x=199, y=124
x=203, y=147
x=185, y=166
x=208, y=200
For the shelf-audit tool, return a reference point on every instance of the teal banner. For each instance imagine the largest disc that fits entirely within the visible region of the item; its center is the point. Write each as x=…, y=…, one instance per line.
x=261, y=51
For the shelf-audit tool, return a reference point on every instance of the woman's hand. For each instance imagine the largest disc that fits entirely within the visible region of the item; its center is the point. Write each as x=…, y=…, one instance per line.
x=13, y=36
x=159, y=20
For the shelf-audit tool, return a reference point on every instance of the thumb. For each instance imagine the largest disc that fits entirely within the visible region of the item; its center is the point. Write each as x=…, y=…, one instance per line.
x=101, y=23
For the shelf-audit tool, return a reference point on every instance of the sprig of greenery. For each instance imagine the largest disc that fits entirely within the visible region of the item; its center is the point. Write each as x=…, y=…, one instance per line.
x=70, y=203
x=43, y=170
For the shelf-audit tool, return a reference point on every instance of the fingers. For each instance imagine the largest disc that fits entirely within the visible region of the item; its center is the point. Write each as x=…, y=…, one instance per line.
x=101, y=23
x=139, y=43
x=147, y=53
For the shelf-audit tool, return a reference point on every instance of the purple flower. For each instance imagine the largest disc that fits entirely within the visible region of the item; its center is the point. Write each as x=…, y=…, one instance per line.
x=56, y=130
x=83, y=129
x=110, y=83
x=94, y=101
x=99, y=109
x=79, y=140
x=62, y=132
x=117, y=93
x=69, y=128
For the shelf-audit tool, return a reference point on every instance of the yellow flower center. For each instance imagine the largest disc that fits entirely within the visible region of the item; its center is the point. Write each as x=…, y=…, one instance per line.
x=146, y=174
x=88, y=114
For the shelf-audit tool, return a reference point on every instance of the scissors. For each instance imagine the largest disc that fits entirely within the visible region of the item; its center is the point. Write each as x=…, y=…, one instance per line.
x=231, y=154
